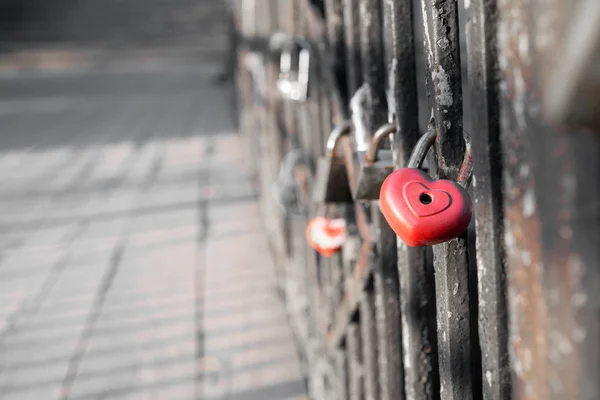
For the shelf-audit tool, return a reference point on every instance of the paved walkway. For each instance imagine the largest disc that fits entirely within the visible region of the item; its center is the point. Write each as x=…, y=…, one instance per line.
x=133, y=262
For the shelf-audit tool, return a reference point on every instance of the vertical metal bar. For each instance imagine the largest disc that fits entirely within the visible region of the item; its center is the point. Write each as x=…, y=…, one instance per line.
x=554, y=215
x=570, y=237
x=337, y=292
x=522, y=231
x=335, y=36
x=566, y=169
x=384, y=379
x=444, y=83
x=487, y=196
x=391, y=373
x=450, y=258
x=342, y=368
x=569, y=234
x=571, y=259
x=369, y=339
x=355, y=357
x=417, y=286
x=352, y=39
x=373, y=64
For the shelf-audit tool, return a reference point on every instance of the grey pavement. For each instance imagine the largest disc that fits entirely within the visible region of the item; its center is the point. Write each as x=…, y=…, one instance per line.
x=133, y=263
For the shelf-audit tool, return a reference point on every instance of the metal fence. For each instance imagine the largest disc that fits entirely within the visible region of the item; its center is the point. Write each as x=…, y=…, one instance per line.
x=510, y=308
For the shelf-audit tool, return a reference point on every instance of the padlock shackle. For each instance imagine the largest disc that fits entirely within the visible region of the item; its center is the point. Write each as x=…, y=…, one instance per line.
x=424, y=144
x=336, y=134
x=285, y=64
x=382, y=132
x=421, y=148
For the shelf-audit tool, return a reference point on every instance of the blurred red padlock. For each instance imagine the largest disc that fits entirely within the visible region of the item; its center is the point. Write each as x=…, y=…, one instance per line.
x=327, y=236
x=423, y=211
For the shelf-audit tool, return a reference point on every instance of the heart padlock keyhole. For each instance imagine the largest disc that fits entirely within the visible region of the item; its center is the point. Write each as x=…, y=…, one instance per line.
x=425, y=198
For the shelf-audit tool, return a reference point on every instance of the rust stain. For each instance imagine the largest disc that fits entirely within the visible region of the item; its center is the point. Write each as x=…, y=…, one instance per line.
x=527, y=342
x=527, y=313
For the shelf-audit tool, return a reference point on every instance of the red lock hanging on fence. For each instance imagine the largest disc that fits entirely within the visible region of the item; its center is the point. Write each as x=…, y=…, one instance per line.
x=326, y=235
x=425, y=211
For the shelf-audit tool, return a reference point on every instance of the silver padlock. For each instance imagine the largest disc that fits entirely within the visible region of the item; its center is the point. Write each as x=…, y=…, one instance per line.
x=293, y=83
x=299, y=89
x=284, y=81
x=331, y=182
x=375, y=165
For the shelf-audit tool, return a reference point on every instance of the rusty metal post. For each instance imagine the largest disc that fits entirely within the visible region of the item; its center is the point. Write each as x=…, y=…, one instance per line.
x=487, y=196
x=527, y=314
x=552, y=216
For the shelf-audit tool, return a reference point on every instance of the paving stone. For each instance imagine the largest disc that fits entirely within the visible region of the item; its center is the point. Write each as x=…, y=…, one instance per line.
x=34, y=393
x=134, y=259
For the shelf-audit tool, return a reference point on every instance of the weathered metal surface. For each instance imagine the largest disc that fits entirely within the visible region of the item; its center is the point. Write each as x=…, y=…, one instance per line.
x=371, y=175
x=450, y=258
x=527, y=313
x=352, y=41
x=387, y=311
x=416, y=279
x=343, y=374
x=335, y=35
x=571, y=93
x=375, y=164
x=331, y=181
x=536, y=206
x=369, y=340
x=483, y=103
x=372, y=63
x=389, y=371
x=355, y=285
x=554, y=324
x=355, y=357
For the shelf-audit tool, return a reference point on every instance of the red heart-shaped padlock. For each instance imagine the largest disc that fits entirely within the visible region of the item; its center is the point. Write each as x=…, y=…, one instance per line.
x=423, y=211
x=326, y=235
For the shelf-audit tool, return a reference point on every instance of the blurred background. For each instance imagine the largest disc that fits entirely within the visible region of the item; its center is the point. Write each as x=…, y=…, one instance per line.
x=133, y=264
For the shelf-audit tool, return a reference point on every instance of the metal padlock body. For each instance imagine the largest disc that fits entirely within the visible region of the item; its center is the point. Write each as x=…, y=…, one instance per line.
x=375, y=166
x=331, y=182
